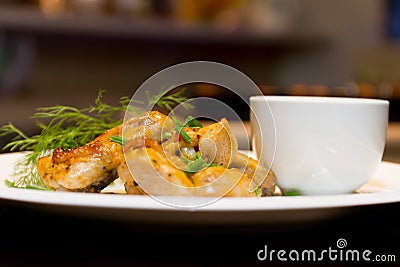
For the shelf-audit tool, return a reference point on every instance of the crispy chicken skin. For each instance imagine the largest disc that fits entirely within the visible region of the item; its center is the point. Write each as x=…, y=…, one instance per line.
x=88, y=168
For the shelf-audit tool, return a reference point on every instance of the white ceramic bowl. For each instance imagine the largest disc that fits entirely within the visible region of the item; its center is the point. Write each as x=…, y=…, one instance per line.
x=319, y=145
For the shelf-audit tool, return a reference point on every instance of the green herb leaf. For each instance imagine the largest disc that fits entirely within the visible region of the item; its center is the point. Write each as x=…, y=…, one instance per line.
x=118, y=139
x=8, y=183
x=292, y=193
x=196, y=165
x=167, y=135
x=258, y=191
x=198, y=155
x=185, y=160
x=37, y=188
x=179, y=128
x=193, y=123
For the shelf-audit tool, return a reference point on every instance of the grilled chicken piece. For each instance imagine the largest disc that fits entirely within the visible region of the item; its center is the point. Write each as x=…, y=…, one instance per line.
x=156, y=169
x=217, y=143
x=154, y=174
x=259, y=174
x=144, y=135
x=150, y=125
x=88, y=168
x=219, y=181
x=130, y=185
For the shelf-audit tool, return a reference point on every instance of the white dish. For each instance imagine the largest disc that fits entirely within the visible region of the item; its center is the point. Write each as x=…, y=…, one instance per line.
x=384, y=187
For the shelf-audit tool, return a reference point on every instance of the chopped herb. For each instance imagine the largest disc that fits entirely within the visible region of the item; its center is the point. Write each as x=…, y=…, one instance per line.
x=9, y=183
x=198, y=155
x=258, y=191
x=167, y=135
x=193, y=123
x=185, y=160
x=184, y=135
x=118, y=139
x=292, y=193
x=37, y=188
x=179, y=128
x=196, y=165
x=215, y=165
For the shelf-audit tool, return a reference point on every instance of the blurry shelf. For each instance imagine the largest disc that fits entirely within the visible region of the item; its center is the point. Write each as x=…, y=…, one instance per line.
x=33, y=21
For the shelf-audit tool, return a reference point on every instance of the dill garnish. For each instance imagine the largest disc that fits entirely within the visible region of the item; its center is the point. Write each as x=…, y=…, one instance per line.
x=68, y=127
x=168, y=102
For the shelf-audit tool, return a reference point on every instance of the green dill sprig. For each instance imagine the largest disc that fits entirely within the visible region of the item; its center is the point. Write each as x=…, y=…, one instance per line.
x=168, y=102
x=68, y=127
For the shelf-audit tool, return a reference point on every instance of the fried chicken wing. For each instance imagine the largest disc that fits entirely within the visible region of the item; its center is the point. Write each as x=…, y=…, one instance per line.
x=88, y=168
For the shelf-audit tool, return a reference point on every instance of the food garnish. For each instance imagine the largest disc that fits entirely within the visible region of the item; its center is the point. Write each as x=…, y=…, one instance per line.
x=193, y=122
x=118, y=139
x=291, y=193
x=179, y=127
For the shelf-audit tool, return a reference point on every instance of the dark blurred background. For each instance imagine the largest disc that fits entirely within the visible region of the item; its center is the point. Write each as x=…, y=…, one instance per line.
x=65, y=51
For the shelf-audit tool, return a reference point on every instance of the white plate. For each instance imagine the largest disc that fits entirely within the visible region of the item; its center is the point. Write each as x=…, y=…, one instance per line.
x=384, y=187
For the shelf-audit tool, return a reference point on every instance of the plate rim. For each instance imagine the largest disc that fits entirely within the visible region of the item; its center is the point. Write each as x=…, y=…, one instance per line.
x=134, y=202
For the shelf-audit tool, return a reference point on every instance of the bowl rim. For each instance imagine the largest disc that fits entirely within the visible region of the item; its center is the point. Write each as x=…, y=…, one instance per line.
x=318, y=99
